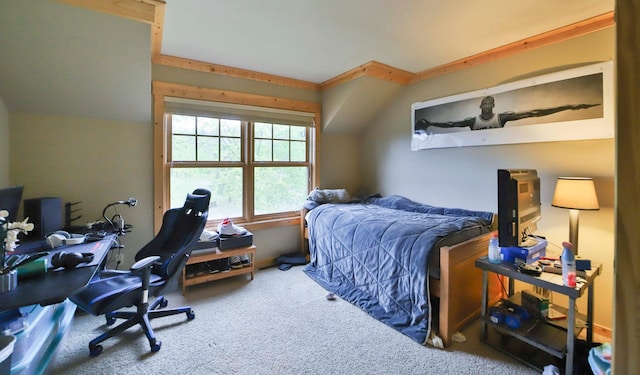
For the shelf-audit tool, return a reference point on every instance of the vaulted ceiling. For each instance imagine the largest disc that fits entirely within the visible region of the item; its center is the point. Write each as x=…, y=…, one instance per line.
x=318, y=40
x=60, y=59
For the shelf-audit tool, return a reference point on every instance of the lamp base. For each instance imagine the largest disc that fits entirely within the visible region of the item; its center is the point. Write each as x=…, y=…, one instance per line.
x=574, y=219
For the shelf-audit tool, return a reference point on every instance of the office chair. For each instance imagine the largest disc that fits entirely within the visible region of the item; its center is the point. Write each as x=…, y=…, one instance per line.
x=157, y=263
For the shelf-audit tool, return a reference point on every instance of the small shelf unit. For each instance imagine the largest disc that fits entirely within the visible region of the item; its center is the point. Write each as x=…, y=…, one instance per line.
x=206, y=255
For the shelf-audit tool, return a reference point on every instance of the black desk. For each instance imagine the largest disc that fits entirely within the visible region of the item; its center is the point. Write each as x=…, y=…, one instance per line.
x=55, y=286
x=42, y=305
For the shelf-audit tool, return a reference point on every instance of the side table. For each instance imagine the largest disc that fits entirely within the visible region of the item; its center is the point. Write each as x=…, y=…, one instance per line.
x=541, y=333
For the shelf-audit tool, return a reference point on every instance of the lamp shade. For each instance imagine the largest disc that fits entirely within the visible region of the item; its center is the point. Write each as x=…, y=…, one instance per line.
x=576, y=193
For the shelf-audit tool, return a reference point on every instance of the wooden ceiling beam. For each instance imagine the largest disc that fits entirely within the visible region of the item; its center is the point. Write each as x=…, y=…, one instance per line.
x=138, y=10
x=371, y=69
x=563, y=33
x=200, y=66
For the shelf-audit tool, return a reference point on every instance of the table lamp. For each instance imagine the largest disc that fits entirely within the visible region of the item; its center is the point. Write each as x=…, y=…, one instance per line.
x=575, y=194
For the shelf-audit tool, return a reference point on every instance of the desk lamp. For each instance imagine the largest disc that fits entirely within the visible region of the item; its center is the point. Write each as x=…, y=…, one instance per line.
x=575, y=194
x=131, y=202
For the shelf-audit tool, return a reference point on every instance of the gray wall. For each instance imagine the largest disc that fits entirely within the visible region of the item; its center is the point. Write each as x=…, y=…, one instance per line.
x=92, y=161
x=466, y=177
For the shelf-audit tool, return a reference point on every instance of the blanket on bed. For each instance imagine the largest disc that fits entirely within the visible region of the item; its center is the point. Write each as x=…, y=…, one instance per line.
x=375, y=255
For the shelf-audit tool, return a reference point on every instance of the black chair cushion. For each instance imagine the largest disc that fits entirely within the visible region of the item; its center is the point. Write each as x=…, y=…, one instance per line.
x=110, y=293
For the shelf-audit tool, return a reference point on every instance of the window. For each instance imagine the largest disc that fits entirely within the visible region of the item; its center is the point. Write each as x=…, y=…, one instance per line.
x=280, y=167
x=258, y=163
x=207, y=152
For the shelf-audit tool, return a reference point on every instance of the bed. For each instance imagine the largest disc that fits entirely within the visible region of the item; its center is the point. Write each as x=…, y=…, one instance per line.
x=407, y=264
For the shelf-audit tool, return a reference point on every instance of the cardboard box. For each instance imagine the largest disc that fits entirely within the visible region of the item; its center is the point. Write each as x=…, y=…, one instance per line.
x=204, y=244
x=225, y=242
x=527, y=254
x=232, y=242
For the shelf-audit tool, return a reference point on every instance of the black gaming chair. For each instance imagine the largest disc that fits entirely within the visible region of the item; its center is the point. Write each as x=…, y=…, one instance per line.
x=157, y=263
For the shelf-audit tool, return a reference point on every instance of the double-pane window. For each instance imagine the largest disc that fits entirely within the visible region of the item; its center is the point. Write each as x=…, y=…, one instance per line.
x=254, y=169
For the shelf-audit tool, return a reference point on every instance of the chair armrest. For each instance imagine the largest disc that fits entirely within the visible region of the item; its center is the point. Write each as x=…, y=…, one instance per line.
x=144, y=263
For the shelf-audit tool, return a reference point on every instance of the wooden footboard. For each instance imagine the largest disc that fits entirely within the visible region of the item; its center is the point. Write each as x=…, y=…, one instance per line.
x=460, y=285
x=304, y=233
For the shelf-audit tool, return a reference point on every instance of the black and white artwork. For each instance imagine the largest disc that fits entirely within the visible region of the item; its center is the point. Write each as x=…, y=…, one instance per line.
x=568, y=105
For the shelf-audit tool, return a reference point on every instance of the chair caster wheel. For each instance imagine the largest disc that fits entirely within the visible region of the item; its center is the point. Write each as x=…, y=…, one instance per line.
x=191, y=315
x=110, y=320
x=164, y=303
x=95, y=351
x=156, y=346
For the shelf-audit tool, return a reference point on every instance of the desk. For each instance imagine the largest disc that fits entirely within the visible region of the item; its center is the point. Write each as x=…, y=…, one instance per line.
x=552, y=282
x=42, y=303
x=55, y=286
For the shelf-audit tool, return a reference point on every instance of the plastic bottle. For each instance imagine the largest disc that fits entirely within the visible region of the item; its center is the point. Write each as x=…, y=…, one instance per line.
x=568, y=265
x=494, y=249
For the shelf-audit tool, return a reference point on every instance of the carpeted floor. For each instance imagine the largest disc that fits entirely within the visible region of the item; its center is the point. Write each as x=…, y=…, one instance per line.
x=279, y=323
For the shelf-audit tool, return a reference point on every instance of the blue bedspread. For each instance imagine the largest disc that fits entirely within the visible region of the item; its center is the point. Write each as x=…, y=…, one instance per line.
x=375, y=255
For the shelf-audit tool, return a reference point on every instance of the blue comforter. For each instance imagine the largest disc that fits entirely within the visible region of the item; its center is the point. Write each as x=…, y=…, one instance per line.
x=375, y=254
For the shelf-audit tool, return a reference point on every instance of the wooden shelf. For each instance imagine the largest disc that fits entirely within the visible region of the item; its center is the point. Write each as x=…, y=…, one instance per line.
x=206, y=255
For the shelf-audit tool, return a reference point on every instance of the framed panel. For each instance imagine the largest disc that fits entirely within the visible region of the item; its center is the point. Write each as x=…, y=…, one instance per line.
x=574, y=104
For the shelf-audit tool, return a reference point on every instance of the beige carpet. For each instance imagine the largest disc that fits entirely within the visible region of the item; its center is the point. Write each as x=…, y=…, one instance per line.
x=279, y=323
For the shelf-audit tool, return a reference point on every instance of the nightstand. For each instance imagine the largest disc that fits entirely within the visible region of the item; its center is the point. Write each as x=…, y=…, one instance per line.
x=549, y=336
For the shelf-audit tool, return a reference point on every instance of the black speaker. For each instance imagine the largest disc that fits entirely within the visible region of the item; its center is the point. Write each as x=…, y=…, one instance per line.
x=45, y=214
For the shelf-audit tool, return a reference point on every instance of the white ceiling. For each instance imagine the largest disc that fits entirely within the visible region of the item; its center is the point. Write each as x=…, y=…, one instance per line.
x=316, y=40
x=59, y=59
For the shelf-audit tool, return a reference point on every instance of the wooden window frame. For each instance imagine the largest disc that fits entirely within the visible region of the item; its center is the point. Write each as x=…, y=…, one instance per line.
x=162, y=167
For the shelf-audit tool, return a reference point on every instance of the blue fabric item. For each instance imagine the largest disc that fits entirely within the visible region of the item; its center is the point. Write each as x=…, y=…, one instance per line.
x=286, y=261
x=401, y=203
x=376, y=258
x=285, y=267
x=310, y=205
x=600, y=359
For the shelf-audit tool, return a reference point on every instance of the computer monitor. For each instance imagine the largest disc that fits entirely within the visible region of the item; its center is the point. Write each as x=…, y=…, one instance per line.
x=10, y=199
x=519, y=206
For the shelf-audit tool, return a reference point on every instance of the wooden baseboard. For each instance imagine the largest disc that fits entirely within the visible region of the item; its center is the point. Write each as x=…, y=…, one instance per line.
x=264, y=263
x=601, y=334
x=603, y=331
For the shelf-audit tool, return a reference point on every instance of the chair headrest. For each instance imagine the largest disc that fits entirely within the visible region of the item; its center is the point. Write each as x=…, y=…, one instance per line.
x=197, y=203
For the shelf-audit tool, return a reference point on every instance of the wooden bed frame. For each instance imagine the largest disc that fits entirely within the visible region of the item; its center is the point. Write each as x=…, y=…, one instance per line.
x=459, y=288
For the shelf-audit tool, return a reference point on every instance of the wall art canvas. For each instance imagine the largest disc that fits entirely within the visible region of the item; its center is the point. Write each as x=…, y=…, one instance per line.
x=573, y=104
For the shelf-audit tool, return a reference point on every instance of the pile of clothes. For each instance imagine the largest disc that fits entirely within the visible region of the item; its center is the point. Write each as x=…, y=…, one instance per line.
x=600, y=359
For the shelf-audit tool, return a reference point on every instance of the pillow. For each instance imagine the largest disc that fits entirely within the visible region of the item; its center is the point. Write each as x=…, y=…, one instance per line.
x=329, y=196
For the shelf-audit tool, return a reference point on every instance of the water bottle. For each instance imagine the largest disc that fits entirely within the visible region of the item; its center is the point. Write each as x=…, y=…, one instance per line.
x=568, y=265
x=494, y=249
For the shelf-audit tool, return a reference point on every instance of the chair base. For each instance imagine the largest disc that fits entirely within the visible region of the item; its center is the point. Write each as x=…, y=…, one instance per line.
x=142, y=316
